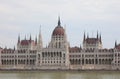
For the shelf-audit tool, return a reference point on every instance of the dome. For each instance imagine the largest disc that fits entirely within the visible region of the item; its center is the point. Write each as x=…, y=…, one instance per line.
x=58, y=31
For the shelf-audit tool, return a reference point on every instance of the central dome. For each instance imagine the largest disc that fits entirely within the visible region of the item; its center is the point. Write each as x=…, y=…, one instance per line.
x=59, y=30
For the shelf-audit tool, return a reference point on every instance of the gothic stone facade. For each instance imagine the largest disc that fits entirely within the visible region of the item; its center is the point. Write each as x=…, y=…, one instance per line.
x=30, y=54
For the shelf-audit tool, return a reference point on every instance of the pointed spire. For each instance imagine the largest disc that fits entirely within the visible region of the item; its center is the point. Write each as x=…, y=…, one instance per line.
x=30, y=37
x=115, y=43
x=84, y=37
x=36, y=40
x=59, y=23
x=97, y=34
x=100, y=38
x=40, y=44
x=19, y=39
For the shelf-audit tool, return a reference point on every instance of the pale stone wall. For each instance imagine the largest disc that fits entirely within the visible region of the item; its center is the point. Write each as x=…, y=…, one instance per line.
x=91, y=60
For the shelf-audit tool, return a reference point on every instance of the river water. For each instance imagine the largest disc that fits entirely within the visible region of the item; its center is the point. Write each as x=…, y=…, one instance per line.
x=60, y=75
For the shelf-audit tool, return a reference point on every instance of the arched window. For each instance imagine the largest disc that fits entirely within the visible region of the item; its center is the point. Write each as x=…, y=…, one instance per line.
x=59, y=45
x=56, y=45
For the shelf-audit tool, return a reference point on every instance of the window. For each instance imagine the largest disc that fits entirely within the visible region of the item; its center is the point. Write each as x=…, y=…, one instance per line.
x=63, y=55
x=59, y=44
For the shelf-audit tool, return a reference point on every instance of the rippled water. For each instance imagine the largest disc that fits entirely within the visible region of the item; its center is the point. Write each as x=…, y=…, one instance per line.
x=60, y=75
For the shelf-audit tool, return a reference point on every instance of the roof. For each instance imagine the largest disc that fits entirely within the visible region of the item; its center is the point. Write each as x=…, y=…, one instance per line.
x=58, y=31
x=92, y=40
x=74, y=49
x=7, y=51
x=118, y=47
x=26, y=42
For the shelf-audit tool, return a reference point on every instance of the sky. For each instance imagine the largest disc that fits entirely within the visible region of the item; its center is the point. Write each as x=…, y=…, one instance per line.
x=24, y=17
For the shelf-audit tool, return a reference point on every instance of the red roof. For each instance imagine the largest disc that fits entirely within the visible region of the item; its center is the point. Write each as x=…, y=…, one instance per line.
x=118, y=47
x=74, y=49
x=26, y=42
x=7, y=51
x=92, y=40
x=58, y=31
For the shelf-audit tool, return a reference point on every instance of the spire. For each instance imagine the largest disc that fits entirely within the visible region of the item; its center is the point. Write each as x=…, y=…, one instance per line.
x=84, y=37
x=100, y=38
x=30, y=37
x=97, y=34
x=19, y=39
x=115, y=43
x=40, y=44
x=36, y=40
x=59, y=23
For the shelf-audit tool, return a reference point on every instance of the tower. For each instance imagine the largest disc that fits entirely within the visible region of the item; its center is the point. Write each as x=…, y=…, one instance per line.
x=58, y=47
x=91, y=43
x=59, y=37
x=40, y=43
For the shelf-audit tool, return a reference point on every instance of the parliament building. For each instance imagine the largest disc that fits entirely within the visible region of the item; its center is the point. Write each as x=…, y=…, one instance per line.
x=30, y=54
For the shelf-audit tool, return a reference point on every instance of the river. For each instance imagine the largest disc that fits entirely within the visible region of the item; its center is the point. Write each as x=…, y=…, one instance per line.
x=60, y=75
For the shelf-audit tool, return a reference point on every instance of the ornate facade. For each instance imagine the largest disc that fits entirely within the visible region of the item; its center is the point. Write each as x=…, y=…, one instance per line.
x=30, y=54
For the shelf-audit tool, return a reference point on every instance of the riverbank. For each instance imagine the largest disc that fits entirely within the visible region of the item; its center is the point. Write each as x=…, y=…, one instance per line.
x=60, y=75
x=57, y=70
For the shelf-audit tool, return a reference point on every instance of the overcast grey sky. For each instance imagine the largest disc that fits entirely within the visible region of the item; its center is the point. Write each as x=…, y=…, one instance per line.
x=25, y=16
